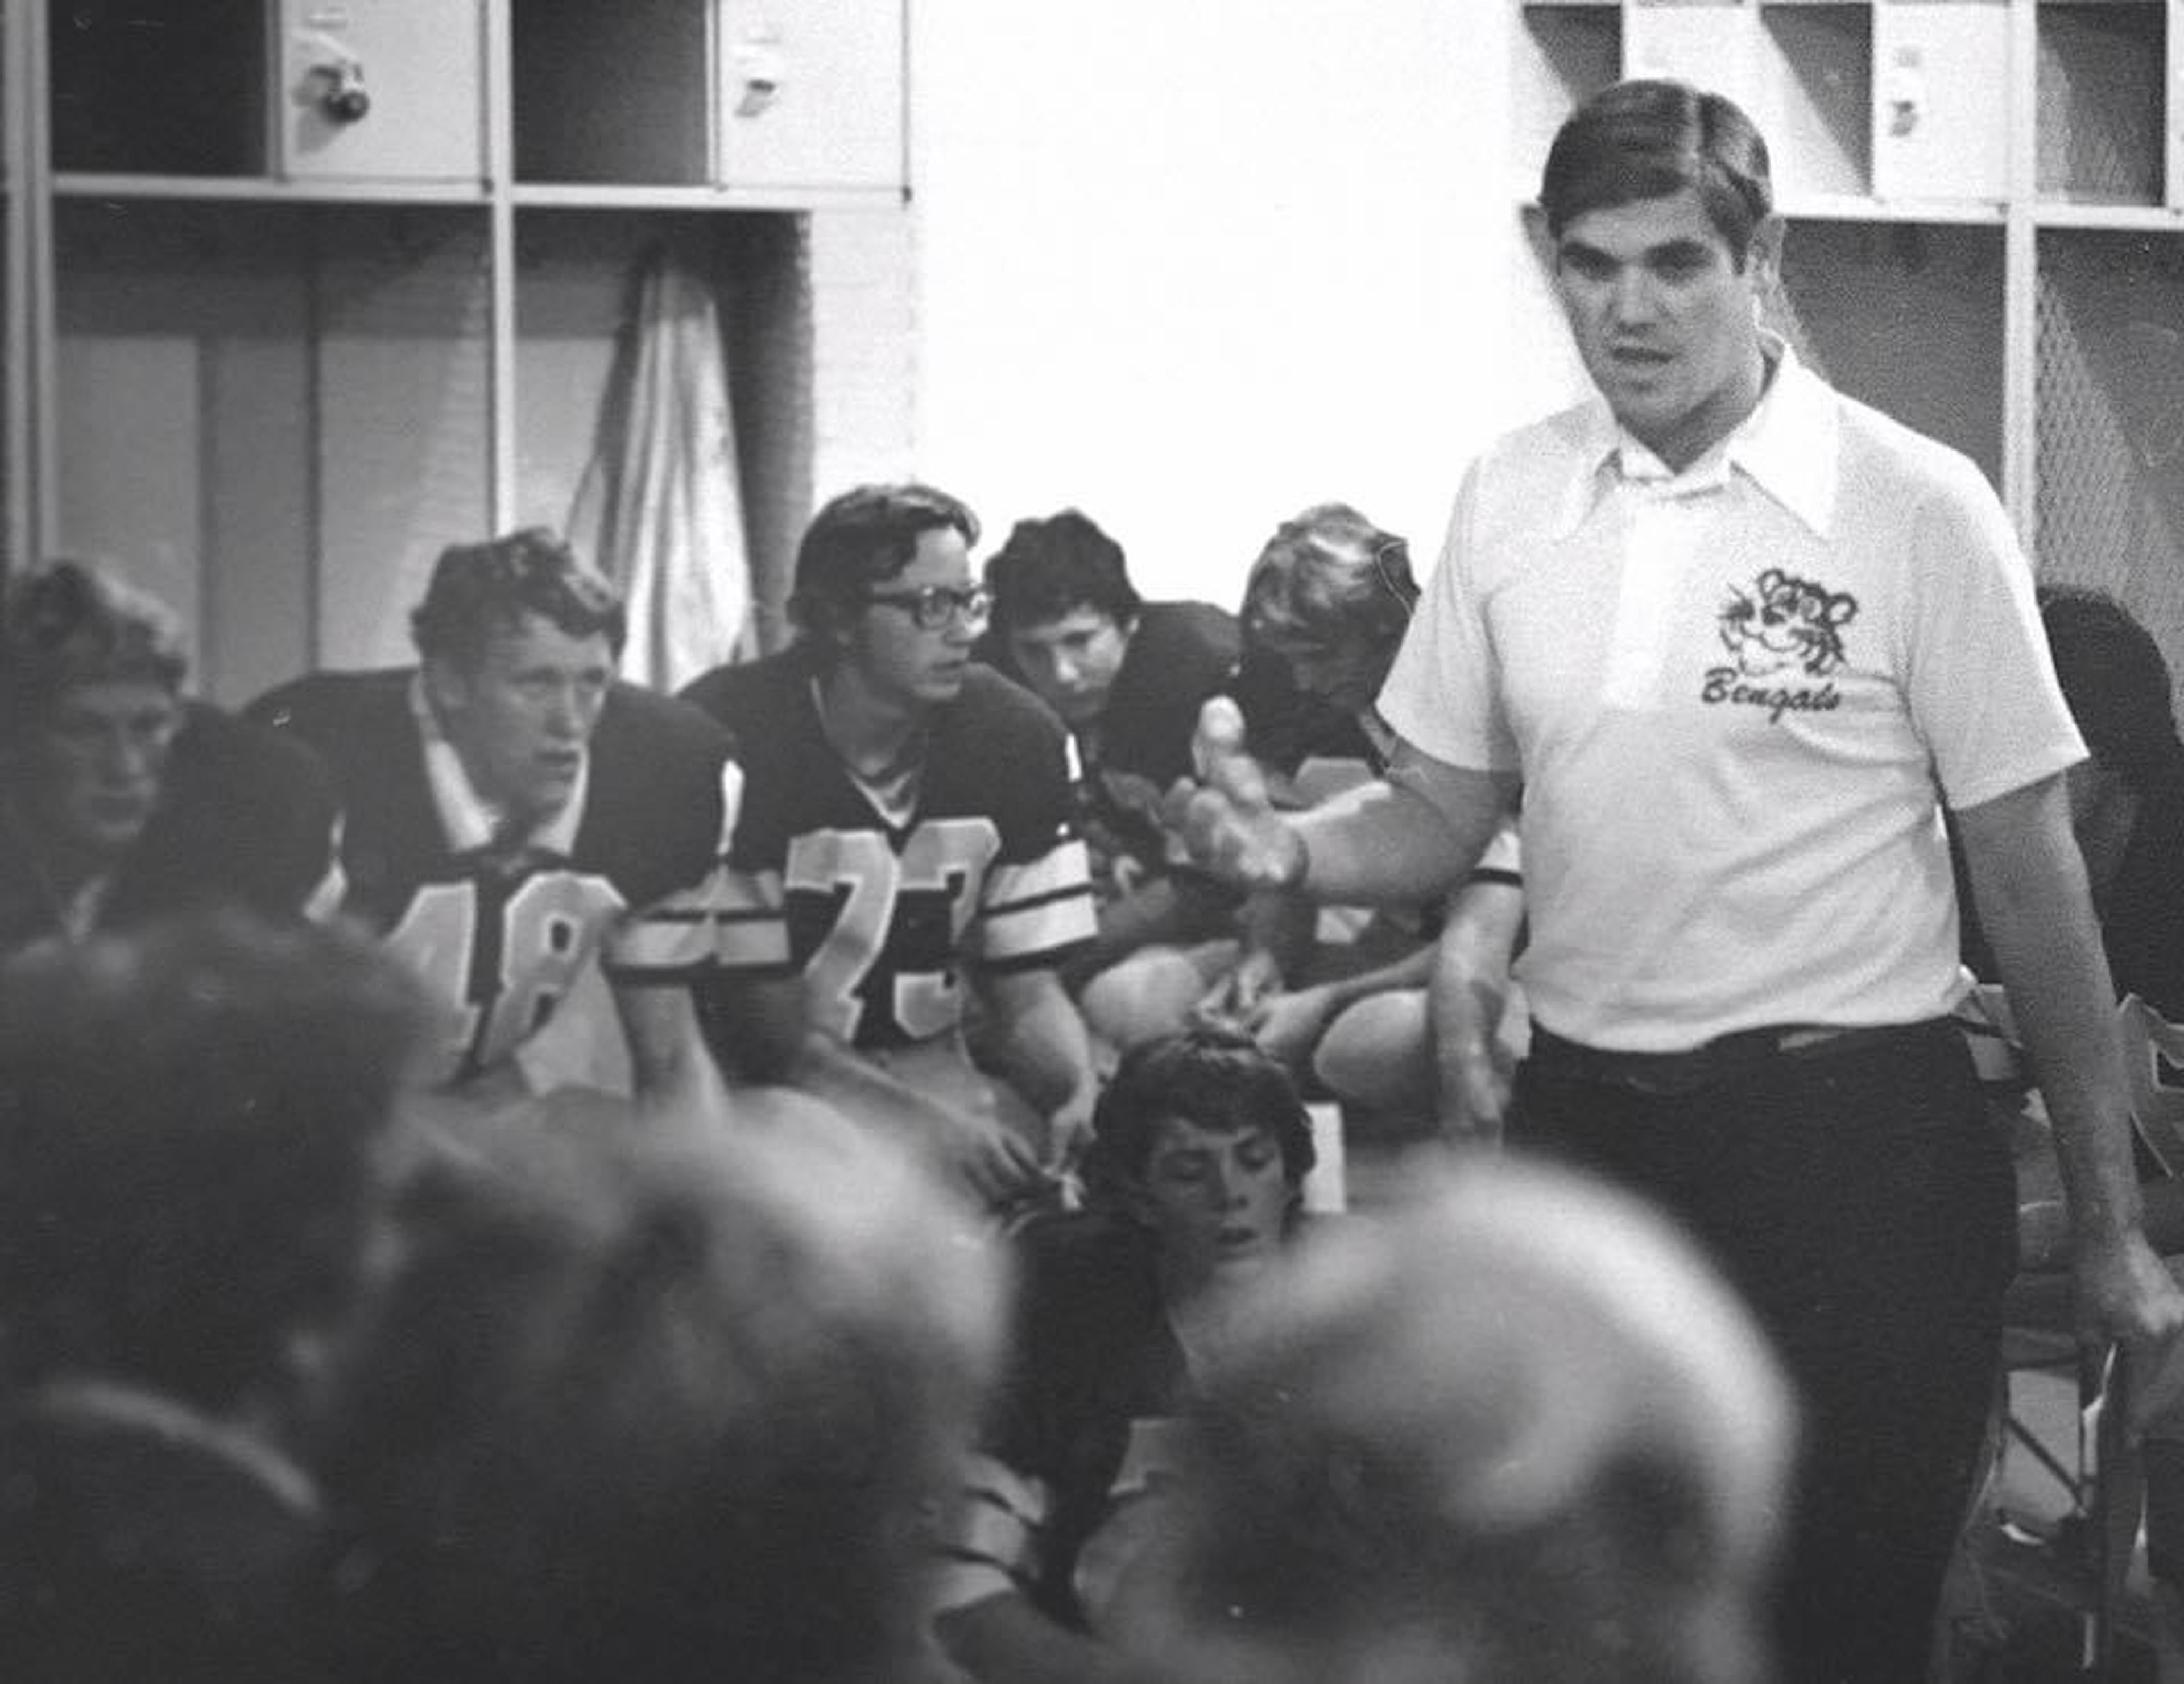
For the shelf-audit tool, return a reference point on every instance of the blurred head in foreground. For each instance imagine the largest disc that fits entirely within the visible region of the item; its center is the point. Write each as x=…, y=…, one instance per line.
x=190, y=1120
x=626, y=1407
x=189, y=1117
x=1515, y=1431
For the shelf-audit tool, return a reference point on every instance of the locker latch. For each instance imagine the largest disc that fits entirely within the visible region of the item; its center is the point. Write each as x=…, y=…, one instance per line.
x=334, y=81
x=760, y=67
x=1904, y=92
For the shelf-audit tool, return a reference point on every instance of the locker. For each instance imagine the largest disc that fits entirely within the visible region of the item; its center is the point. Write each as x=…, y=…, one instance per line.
x=1710, y=43
x=810, y=94
x=382, y=90
x=1941, y=99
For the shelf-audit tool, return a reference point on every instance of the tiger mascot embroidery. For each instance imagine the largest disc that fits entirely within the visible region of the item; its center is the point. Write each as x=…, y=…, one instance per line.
x=1790, y=623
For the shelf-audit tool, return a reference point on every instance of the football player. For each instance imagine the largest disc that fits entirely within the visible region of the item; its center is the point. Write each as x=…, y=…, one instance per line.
x=120, y=799
x=904, y=831
x=1324, y=609
x=1128, y=677
x=510, y=808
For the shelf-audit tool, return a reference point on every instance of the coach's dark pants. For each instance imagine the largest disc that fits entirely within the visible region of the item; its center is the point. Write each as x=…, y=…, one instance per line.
x=1862, y=1201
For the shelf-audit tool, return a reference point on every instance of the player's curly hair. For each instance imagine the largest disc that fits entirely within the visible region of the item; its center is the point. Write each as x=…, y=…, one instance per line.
x=1054, y=566
x=481, y=588
x=862, y=538
x=188, y=1120
x=666, y=1407
x=1329, y=570
x=73, y=623
x=1517, y=1427
x=1217, y=1079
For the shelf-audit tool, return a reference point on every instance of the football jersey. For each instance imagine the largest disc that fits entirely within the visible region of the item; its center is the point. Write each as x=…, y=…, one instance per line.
x=1287, y=726
x=880, y=917
x=245, y=818
x=498, y=935
x=2141, y=911
x=1096, y=1373
x=1180, y=654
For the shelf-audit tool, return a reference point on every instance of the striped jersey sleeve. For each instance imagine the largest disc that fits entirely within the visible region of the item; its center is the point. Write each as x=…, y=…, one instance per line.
x=994, y=1540
x=1034, y=911
x=675, y=939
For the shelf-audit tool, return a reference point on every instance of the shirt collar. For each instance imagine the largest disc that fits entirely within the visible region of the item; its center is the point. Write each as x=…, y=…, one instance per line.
x=1787, y=447
x=468, y=820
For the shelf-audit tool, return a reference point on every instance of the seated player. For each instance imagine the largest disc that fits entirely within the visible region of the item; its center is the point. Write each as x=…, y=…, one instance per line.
x=2127, y=813
x=1325, y=608
x=1200, y=1150
x=510, y=807
x=655, y=1407
x=1516, y=1429
x=121, y=800
x=2127, y=798
x=904, y=840
x=1128, y=677
x=189, y=1116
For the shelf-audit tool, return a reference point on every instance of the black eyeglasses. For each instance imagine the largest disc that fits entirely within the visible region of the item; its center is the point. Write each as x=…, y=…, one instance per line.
x=936, y=605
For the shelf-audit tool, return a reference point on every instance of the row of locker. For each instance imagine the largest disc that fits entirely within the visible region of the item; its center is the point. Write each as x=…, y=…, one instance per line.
x=1873, y=103
x=759, y=95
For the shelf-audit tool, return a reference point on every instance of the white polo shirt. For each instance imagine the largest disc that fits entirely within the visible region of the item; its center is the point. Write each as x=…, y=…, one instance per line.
x=1733, y=695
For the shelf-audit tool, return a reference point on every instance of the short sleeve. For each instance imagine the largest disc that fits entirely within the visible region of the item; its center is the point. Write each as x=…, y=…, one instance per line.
x=1442, y=694
x=1981, y=684
x=720, y=920
x=1036, y=904
x=1503, y=859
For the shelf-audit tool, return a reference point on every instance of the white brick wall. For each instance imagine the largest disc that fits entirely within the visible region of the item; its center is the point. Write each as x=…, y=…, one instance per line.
x=1192, y=266
x=864, y=362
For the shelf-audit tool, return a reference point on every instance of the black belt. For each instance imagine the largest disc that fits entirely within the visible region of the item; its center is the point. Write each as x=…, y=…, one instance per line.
x=1714, y=1061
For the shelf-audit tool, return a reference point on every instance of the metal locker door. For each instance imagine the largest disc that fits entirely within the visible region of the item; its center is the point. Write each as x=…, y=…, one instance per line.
x=1712, y=44
x=1941, y=99
x=382, y=90
x=810, y=94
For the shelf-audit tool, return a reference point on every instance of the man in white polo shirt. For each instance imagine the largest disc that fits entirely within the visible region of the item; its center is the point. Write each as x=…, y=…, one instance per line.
x=1741, y=638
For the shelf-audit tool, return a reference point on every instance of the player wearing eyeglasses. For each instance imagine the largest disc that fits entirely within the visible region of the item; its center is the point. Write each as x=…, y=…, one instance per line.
x=904, y=831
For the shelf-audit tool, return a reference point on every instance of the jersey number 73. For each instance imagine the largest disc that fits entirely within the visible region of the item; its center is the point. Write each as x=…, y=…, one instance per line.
x=883, y=928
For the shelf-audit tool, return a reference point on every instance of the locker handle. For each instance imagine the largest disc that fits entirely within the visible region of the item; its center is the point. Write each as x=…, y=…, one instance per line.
x=761, y=67
x=341, y=92
x=1904, y=92
x=332, y=78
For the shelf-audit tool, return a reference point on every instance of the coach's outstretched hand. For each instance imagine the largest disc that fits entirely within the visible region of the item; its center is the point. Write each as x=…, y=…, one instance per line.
x=1226, y=817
